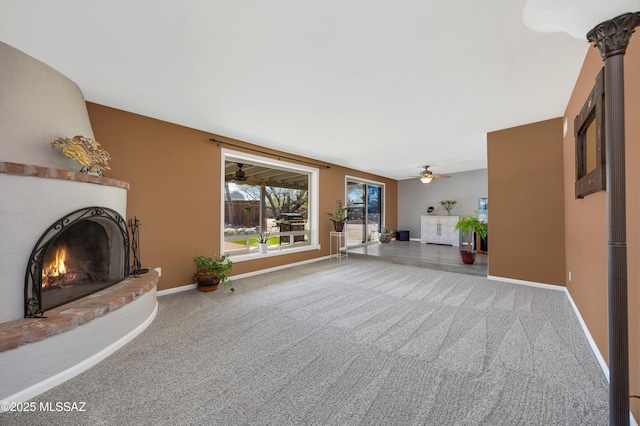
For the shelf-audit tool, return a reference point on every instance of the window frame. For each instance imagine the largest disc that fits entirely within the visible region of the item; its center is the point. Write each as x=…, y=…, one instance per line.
x=312, y=209
x=592, y=112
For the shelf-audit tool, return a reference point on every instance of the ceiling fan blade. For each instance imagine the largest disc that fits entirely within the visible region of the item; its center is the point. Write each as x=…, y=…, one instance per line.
x=253, y=181
x=426, y=173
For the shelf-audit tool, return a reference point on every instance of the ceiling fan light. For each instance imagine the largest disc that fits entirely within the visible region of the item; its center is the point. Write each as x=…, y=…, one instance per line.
x=425, y=179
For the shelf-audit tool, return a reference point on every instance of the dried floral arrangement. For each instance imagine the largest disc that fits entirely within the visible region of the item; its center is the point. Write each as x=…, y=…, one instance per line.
x=85, y=151
x=448, y=205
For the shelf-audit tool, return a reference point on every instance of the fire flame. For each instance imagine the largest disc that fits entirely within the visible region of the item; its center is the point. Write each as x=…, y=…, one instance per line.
x=56, y=268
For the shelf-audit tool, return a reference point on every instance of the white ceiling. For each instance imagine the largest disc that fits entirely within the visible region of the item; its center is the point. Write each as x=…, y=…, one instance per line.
x=383, y=86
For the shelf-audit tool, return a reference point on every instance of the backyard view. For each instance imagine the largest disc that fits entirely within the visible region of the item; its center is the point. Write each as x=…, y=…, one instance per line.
x=264, y=205
x=364, y=212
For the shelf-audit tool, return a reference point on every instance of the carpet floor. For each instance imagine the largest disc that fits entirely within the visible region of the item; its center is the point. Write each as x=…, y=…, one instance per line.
x=361, y=342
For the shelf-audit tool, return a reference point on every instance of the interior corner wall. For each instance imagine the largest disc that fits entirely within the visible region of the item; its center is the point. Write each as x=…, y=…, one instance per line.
x=526, y=212
x=586, y=218
x=174, y=173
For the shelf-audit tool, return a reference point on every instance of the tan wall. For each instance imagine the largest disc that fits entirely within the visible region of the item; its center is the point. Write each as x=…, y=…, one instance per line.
x=526, y=215
x=174, y=174
x=632, y=105
x=586, y=219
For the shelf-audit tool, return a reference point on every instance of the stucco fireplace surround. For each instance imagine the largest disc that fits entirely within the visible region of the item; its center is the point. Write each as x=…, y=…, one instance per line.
x=77, y=334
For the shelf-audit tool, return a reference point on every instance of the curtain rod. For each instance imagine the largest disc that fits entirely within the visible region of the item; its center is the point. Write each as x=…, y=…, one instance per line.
x=268, y=153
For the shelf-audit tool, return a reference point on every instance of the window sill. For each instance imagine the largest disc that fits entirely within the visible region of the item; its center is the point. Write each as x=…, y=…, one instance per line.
x=273, y=252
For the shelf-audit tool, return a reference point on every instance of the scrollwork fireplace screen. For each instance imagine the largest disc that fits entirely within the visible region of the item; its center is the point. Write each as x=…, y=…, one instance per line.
x=79, y=254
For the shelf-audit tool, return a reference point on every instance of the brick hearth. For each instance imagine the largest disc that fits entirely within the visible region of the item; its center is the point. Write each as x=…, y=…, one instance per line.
x=74, y=314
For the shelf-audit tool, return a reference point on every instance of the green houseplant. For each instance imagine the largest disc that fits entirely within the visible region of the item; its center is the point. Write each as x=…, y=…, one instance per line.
x=386, y=235
x=469, y=225
x=210, y=271
x=339, y=217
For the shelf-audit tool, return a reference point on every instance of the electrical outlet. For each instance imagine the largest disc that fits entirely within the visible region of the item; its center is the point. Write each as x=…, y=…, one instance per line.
x=159, y=271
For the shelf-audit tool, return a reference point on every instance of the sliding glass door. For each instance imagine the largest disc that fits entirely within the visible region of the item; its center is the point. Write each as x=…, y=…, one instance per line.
x=364, y=211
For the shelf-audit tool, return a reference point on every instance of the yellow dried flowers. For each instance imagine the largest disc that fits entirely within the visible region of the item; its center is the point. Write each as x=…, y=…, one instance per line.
x=85, y=151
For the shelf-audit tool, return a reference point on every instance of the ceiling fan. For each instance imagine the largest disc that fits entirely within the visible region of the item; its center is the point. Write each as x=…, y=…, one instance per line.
x=427, y=175
x=240, y=177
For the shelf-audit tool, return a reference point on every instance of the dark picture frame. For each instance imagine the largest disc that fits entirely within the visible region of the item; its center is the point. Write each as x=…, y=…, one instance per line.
x=590, y=142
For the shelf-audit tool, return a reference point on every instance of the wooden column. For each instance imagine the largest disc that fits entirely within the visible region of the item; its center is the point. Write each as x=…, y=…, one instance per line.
x=612, y=38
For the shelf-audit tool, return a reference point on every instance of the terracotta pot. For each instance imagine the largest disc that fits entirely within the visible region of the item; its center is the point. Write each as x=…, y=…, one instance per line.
x=207, y=282
x=385, y=238
x=338, y=226
x=468, y=257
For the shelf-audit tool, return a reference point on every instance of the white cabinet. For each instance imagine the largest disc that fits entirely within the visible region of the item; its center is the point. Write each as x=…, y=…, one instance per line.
x=439, y=230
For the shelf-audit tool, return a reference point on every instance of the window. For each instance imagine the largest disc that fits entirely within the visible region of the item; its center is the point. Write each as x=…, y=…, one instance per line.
x=269, y=201
x=590, y=143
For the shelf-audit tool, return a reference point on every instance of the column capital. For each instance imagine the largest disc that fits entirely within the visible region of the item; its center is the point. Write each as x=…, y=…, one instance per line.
x=612, y=36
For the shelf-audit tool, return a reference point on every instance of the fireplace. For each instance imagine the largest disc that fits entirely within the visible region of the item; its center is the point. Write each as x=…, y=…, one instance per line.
x=79, y=254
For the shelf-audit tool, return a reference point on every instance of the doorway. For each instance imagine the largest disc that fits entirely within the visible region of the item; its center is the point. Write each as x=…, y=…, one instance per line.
x=364, y=211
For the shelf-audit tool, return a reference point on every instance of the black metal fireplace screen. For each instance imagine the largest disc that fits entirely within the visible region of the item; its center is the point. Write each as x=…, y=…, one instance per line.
x=81, y=253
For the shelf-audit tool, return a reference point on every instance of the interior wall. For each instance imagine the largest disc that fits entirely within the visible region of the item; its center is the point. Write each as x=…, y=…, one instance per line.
x=586, y=219
x=38, y=106
x=414, y=197
x=174, y=173
x=526, y=211
x=632, y=164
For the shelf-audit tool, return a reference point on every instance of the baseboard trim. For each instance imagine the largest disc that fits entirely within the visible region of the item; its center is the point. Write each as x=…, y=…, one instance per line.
x=527, y=283
x=245, y=275
x=585, y=329
x=594, y=348
x=69, y=373
x=179, y=289
x=587, y=333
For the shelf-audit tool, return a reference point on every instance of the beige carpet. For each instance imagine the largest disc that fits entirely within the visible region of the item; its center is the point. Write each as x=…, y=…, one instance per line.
x=362, y=342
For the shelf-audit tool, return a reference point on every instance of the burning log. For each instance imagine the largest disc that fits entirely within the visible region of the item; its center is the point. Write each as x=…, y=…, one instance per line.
x=59, y=281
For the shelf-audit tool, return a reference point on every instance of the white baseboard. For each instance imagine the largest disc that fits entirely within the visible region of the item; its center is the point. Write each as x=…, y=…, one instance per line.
x=585, y=329
x=245, y=275
x=53, y=381
x=528, y=283
x=587, y=333
x=177, y=289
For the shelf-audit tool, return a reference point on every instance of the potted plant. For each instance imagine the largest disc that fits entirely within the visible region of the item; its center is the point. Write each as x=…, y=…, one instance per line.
x=339, y=217
x=470, y=225
x=263, y=241
x=210, y=271
x=386, y=235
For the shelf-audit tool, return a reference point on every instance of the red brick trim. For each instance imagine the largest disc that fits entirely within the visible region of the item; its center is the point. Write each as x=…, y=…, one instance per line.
x=51, y=173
